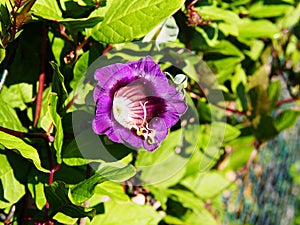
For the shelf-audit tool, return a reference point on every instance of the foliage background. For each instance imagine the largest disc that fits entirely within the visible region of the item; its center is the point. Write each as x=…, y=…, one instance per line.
x=252, y=48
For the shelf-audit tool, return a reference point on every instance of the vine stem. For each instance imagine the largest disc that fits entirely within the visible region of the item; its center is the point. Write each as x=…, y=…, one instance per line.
x=285, y=101
x=28, y=135
x=82, y=221
x=41, y=77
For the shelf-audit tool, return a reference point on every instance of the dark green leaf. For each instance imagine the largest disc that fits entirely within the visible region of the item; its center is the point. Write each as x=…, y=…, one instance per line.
x=57, y=197
x=241, y=92
x=286, y=119
x=260, y=101
x=59, y=88
x=264, y=128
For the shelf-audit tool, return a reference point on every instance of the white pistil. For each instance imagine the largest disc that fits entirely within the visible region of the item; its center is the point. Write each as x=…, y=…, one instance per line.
x=123, y=114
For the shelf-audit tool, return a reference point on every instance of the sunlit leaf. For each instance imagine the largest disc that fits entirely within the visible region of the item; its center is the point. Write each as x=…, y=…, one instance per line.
x=25, y=150
x=85, y=189
x=56, y=119
x=126, y=20
x=57, y=196
x=286, y=119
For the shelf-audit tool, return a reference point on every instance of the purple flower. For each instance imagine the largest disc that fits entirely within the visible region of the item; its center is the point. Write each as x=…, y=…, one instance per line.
x=135, y=103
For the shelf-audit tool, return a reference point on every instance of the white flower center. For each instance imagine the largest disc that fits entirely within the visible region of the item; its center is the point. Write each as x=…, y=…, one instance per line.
x=132, y=114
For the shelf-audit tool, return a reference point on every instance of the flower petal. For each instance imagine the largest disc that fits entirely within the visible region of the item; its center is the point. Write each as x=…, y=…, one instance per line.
x=114, y=76
x=161, y=131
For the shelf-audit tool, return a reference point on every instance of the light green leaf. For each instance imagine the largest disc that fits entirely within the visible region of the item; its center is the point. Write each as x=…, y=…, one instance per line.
x=257, y=29
x=109, y=189
x=286, y=119
x=215, y=13
x=231, y=132
x=261, y=10
x=291, y=17
x=84, y=190
x=11, y=189
x=207, y=185
x=199, y=214
x=64, y=219
x=127, y=213
x=57, y=196
x=126, y=20
x=59, y=134
x=164, y=163
x=274, y=92
x=9, y=117
x=47, y=9
x=2, y=52
x=242, y=148
x=80, y=69
x=18, y=95
x=27, y=151
x=36, y=184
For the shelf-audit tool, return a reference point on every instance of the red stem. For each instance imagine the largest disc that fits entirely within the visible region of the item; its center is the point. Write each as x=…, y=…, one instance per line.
x=285, y=101
x=41, y=77
x=28, y=135
x=107, y=49
x=230, y=110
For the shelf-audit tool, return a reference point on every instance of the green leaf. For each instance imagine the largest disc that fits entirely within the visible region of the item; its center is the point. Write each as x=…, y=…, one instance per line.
x=85, y=189
x=27, y=151
x=274, y=92
x=58, y=87
x=197, y=213
x=9, y=117
x=262, y=10
x=166, y=31
x=47, y=9
x=286, y=119
x=264, y=128
x=36, y=183
x=242, y=148
x=260, y=101
x=127, y=213
x=164, y=163
x=217, y=14
x=109, y=189
x=13, y=172
x=59, y=134
x=231, y=132
x=126, y=20
x=79, y=24
x=2, y=52
x=18, y=95
x=257, y=29
x=116, y=171
x=57, y=197
x=207, y=185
